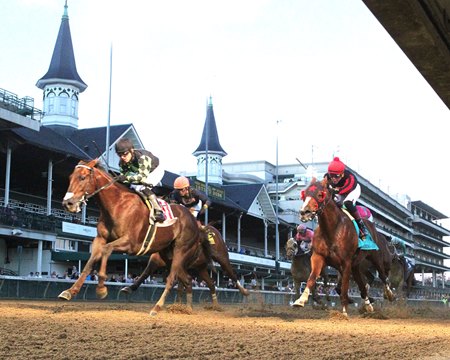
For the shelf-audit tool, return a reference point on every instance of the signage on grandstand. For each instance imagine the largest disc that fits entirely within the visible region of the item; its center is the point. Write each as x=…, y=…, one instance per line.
x=82, y=230
x=213, y=191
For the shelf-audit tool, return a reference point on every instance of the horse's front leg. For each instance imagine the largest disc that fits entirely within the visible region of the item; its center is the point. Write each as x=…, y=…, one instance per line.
x=345, y=284
x=121, y=244
x=317, y=263
x=297, y=284
x=96, y=253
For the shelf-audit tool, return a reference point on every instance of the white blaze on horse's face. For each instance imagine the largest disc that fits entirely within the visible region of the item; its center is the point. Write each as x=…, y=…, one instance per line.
x=72, y=206
x=306, y=202
x=305, y=213
x=68, y=196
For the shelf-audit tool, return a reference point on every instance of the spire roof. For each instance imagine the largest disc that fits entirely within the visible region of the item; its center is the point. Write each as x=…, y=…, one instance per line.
x=213, y=137
x=62, y=66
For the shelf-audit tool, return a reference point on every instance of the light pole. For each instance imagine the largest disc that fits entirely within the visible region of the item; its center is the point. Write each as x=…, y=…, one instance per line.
x=277, y=235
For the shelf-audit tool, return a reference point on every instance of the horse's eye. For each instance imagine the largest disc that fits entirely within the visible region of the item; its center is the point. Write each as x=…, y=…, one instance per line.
x=322, y=195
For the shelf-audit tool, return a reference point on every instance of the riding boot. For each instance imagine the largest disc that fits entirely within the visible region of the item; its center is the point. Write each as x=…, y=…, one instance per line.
x=362, y=228
x=151, y=197
x=159, y=214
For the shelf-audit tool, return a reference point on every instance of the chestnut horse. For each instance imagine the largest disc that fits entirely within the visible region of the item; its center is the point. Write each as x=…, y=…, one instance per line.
x=213, y=247
x=336, y=244
x=301, y=268
x=124, y=226
x=390, y=264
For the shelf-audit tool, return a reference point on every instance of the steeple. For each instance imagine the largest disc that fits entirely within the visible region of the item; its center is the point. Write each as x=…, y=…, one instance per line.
x=210, y=145
x=62, y=84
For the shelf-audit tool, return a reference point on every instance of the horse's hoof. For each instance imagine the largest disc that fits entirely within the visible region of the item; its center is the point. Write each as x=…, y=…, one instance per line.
x=245, y=292
x=101, y=293
x=155, y=310
x=126, y=290
x=65, y=295
x=298, y=303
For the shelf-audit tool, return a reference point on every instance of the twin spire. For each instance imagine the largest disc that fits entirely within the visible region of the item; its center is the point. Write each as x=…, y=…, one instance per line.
x=62, y=85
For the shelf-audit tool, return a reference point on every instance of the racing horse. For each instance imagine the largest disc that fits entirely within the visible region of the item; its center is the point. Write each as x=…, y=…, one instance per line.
x=124, y=226
x=213, y=247
x=301, y=268
x=335, y=243
x=401, y=271
x=404, y=280
x=391, y=266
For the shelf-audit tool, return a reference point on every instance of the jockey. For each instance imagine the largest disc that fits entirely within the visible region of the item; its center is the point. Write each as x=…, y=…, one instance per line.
x=304, y=236
x=183, y=194
x=399, y=245
x=346, y=190
x=137, y=170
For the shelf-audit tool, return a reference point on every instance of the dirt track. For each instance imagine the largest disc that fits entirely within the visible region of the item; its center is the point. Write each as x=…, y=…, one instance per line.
x=99, y=330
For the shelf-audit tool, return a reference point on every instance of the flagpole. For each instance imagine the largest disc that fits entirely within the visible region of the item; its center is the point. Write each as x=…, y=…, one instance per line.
x=206, y=164
x=109, y=109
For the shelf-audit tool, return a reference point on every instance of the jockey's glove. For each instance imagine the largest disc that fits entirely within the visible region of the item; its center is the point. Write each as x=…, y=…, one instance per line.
x=121, y=178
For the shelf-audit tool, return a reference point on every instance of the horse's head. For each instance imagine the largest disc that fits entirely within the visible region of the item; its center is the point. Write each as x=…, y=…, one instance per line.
x=291, y=248
x=314, y=197
x=81, y=185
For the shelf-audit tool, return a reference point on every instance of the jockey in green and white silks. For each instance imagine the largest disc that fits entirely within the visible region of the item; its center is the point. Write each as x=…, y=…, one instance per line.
x=140, y=170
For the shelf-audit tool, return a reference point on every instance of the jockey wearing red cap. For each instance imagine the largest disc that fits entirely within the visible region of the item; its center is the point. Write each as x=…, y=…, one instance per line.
x=304, y=236
x=346, y=189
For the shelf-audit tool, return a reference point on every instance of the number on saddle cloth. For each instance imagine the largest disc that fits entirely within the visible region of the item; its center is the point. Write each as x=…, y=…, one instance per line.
x=166, y=209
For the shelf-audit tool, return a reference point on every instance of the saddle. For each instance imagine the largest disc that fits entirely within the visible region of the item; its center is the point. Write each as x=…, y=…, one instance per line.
x=151, y=231
x=369, y=243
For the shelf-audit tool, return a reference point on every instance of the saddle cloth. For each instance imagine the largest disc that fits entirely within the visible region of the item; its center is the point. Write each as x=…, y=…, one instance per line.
x=166, y=209
x=367, y=244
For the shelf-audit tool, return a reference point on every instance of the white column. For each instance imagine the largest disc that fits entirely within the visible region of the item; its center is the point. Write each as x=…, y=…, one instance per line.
x=39, y=257
x=239, y=233
x=224, y=227
x=8, y=174
x=265, y=238
x=49, y=186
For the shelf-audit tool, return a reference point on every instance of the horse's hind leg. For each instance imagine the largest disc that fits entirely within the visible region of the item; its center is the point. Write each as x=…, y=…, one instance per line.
x=184, y=279
x=154, y=263
x=383, y=271
x=203, y=273
x=226, y=267
x=357, y=276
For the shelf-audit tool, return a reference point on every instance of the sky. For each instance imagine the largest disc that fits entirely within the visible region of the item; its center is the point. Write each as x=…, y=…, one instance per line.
x=318, y=78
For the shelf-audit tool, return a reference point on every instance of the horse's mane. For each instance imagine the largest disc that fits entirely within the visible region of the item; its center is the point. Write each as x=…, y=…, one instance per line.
x=95, y=163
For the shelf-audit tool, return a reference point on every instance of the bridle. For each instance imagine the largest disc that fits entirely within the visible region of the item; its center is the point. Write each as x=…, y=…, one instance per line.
x=321, y=205
x=86, y=196
x=293, y=248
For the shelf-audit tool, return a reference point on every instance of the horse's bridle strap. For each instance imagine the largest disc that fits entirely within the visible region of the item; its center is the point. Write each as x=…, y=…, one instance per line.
x=88, y=196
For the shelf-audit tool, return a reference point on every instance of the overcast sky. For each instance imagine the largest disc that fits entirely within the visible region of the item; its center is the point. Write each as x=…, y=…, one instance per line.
x=327, y=69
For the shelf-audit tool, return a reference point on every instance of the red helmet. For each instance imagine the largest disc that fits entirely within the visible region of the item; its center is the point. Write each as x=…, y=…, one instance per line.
x=336, y=166
x=181, y=182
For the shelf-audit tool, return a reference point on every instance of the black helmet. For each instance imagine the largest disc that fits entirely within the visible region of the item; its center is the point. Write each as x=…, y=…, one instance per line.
x=124, y=145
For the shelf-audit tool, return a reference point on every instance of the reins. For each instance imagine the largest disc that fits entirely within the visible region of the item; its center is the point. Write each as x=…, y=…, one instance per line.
x=322, y=204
